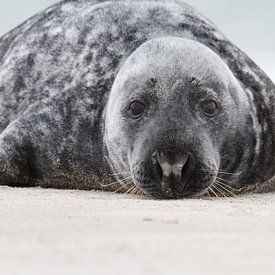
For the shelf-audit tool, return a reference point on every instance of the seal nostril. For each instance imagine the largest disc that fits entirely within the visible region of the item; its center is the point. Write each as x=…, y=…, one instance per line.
x=159, y=171
x=156, y=166
x=187, y=169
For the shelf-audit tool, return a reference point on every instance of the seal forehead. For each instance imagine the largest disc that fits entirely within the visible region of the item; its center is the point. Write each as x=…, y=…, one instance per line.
x=172, y=56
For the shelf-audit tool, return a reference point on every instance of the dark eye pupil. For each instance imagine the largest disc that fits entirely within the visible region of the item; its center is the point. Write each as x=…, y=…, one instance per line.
x=210, y=107
x=137, y=108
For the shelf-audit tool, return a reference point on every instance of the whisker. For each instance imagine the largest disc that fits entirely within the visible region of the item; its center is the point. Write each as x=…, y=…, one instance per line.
x=231, y=194
x=118, y=174
x=221, y=191
x=137, y=191
x=123, y=186
x=134, y=191
x=227, y=185
x=130, y=190
x=224, y=188
x=216, y=189
x=210, y=192
x=223, y=156
x=226, y=181
x=213, y=191
x=115, y=182
x=140, y=191
x=228, y=173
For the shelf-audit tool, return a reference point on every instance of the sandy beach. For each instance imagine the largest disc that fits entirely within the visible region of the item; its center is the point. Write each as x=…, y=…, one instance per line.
x=46, y=231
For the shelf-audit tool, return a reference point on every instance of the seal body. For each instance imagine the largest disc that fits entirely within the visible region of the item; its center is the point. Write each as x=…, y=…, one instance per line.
x=68, y=74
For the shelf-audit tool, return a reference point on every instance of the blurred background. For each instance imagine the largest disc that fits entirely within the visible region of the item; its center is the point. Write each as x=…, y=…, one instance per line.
x=250, y=24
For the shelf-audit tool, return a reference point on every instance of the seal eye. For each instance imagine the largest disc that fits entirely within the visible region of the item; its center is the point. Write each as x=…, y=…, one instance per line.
x=137, y=108
x=210, y=108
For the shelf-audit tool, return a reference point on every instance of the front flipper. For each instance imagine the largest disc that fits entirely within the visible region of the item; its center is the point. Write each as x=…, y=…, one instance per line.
x=16, y=157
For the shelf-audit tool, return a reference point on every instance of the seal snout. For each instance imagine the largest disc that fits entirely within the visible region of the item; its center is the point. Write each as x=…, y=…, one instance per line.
x=173, y=170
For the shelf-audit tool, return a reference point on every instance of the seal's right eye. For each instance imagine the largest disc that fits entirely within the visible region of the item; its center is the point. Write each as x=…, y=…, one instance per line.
x=210, y=108
x=137, y=108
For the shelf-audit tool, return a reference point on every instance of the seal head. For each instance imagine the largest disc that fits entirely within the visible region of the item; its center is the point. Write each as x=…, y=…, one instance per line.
x=174, y=117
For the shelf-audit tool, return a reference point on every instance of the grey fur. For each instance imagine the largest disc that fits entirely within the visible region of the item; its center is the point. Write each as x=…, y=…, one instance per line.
x=57, y=71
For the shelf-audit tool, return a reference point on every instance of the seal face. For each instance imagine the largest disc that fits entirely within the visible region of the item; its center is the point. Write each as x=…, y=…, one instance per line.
x=124, y=95
x=183, y=118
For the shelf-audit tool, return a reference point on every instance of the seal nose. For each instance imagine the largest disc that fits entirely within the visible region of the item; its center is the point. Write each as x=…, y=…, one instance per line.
x=175, y=170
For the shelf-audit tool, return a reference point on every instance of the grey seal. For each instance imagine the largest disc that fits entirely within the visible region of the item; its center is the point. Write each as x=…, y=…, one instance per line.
x=136, y=96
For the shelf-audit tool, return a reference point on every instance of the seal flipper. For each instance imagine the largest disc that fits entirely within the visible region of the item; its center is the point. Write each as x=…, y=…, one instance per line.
x=15, y=158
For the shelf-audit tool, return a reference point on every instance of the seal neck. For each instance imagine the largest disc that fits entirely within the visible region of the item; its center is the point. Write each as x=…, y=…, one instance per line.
x=264, y=167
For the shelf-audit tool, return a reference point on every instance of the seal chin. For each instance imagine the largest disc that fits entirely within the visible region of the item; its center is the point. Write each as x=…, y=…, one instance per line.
x=155, y=190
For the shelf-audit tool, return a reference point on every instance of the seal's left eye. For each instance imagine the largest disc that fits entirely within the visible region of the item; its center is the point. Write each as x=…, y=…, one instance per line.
x=210, y=108
x=137, y=108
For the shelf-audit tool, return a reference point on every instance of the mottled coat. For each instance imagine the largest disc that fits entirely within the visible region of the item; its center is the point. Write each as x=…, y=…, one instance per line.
x=56, y=73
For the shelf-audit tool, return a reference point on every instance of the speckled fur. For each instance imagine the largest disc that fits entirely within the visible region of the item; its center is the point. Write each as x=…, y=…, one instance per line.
x=56, y=72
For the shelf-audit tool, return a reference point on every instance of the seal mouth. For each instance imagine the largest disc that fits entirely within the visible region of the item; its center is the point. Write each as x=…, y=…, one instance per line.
x=189, y=190
x=172, y=174
x=156, y=193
